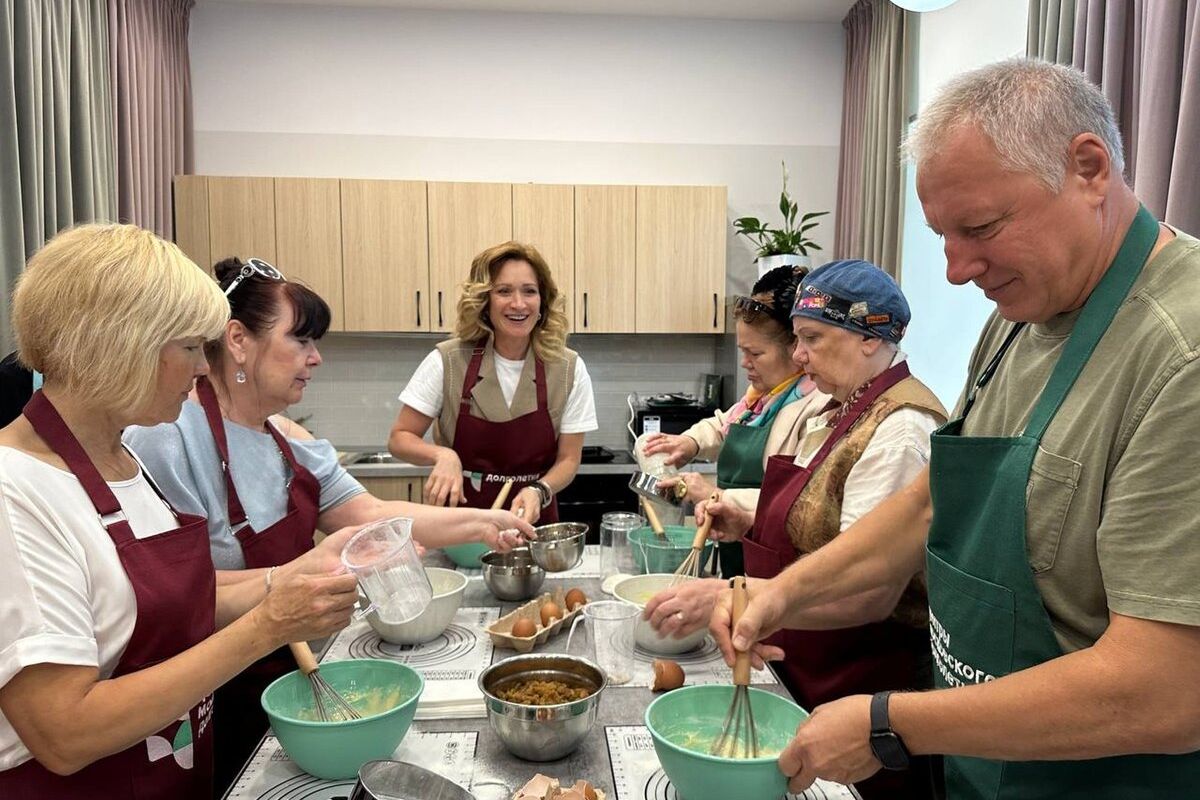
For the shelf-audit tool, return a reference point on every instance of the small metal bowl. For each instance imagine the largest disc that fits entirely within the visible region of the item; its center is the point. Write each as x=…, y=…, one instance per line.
x=512, y=575
x=542, y=733
x=558, y=546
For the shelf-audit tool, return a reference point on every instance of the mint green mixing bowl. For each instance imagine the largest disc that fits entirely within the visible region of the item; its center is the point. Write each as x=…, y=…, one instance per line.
x=467, y=555
x=693, y=715
x=336, y=750
x=652, y=554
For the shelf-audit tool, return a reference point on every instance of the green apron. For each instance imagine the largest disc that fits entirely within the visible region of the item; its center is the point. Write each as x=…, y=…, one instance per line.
x=987, y=619
x=740, y=466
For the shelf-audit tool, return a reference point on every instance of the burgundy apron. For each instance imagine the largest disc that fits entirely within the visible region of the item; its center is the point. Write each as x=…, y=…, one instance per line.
x=242, y=722
x=175, y=589
x=820, y=666
x=520, y=450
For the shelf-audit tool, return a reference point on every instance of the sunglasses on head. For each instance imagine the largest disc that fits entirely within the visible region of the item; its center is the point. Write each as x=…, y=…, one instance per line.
x=751, y=308
x=254, y=266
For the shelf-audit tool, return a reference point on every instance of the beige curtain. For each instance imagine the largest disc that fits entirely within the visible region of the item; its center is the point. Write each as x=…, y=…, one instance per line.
x=871, y=189
x=56, y=128
x=1145, y=55
x=152, y=76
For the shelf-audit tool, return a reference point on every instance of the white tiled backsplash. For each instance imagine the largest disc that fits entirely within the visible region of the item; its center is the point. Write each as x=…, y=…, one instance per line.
x=352, y=400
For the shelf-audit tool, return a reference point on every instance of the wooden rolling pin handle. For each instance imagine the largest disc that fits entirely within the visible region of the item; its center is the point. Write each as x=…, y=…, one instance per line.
x=741, y=599
x=706, y=526
x=500, y=498
x=304, y=657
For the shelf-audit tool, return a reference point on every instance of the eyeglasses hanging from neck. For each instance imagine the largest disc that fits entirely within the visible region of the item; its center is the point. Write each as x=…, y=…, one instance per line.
x=254, y=266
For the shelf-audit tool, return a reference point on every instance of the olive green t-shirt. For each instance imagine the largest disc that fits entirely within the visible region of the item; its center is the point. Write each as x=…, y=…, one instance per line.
x=1113, y=502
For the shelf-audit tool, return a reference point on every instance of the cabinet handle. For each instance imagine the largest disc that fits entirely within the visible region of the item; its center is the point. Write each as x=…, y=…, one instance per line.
x=714, y=309
x=440, y=310
x=418, y=314
x=585, y=309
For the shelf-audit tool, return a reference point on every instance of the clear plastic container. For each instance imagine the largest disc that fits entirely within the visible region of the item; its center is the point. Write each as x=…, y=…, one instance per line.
x=384, y=559
x=610, y=640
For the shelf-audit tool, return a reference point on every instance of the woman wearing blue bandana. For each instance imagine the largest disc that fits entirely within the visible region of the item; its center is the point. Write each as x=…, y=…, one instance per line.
x=870, y=441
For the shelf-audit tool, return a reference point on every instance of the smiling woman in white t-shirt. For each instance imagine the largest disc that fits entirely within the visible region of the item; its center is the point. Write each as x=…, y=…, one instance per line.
x=506, y=398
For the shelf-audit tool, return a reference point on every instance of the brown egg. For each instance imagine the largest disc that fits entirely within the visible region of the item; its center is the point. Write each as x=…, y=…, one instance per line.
x=667, y=675
x=524, y=627
x=575, y=598
x=550, y=612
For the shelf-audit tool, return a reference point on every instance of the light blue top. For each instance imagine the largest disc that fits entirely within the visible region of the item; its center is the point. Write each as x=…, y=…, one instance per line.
x=182, y=458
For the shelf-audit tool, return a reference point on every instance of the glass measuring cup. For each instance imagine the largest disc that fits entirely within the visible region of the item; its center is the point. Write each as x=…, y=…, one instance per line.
x=384, y=559
x=610, y=640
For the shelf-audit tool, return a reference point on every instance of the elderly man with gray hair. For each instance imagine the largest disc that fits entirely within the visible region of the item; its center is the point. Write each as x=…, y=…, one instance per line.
x=1057, y=523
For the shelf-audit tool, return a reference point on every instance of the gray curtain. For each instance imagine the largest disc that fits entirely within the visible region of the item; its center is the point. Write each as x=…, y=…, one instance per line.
x=1145, y=55
x=871, y=188
x=152, y=78
x=56, y=128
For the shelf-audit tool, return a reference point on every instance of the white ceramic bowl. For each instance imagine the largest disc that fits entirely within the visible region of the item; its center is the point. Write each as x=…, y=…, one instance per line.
x=638, y=589
x=448, y=586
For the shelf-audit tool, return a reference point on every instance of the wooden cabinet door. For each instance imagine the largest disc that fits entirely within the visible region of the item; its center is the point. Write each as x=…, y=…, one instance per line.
x=605, y=259
x=544, y=216
x=394, y=488
x=191, y=218
x=385, y=255
x=308, y=233
x=464, y=220
x=241, y=218
x=680, y=259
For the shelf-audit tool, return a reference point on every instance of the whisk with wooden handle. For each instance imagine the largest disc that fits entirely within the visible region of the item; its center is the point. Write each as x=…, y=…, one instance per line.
x=331, y=706
x=739, y=738
x=690, y=568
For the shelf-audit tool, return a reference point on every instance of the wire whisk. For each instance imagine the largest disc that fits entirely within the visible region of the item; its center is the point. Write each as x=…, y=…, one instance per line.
x=739, y=738
x=331, y=706
x=691, y=566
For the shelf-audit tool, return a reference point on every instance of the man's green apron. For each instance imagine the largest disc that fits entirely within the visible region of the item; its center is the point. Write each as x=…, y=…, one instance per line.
x=987, y=619
x=740, y=466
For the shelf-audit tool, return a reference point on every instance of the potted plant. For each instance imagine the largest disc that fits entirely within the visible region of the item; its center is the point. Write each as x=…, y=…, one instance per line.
x=788, y=245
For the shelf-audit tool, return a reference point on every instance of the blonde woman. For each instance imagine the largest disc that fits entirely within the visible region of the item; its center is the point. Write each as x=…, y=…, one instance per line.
x=506, y=398
x=115, y=632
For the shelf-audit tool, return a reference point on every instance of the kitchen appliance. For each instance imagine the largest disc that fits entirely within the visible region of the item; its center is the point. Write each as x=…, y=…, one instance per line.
x=666, y=413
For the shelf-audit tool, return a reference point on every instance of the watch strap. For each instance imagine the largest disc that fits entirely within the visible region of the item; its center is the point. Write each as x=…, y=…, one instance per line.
x=886, y=744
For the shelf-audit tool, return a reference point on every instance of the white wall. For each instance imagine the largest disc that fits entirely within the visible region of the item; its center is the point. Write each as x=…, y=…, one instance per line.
x=392, y=93
x=946, y=318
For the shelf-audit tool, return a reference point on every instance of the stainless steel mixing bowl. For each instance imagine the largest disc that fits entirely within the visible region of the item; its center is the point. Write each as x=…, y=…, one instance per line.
x=542, y=733
x=559, y=546
x=512, y=575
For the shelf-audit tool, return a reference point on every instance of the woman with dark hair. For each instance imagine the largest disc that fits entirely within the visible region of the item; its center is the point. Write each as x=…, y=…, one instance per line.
x=507, y=400
x=769, y=420
x=262, y=481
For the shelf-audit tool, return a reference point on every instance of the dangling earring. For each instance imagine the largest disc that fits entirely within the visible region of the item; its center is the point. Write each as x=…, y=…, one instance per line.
x=240, y=376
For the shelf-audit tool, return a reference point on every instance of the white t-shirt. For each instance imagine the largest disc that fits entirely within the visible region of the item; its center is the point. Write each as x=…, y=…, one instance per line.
x=424, y=391
x=896, y=454
x=64, y=596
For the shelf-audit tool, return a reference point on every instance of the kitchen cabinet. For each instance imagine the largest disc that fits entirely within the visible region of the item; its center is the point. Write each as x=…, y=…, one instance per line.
x=544, y=216
x=191, y=218
x=680, y=259
x=308, y=235
x=464, y=220
x=395, y=488
x=385, y=255
x=241, y=218
x=606, y=272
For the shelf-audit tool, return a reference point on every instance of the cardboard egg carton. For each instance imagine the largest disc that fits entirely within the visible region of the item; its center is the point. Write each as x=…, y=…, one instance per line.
x=500, y=631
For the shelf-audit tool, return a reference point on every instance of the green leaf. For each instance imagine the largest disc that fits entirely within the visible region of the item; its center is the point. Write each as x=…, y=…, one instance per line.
x=784, y=202
x=813, y=215
x=809, y=226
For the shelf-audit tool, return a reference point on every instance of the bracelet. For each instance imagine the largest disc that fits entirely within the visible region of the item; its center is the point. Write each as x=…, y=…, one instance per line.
x=270, y=572
x=545, y=491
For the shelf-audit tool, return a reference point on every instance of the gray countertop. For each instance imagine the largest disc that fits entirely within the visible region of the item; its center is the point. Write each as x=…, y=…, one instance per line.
x=400, y=469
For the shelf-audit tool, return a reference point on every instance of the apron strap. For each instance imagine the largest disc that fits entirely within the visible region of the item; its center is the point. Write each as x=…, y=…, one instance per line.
x=1097, y=314
x=886, y=380
x=50, y=425
x=540, y=381
x=212, y=412
x=470, y=379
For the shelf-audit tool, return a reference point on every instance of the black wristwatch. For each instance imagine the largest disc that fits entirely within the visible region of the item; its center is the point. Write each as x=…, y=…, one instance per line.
x=545, y=491
x=886, y=744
